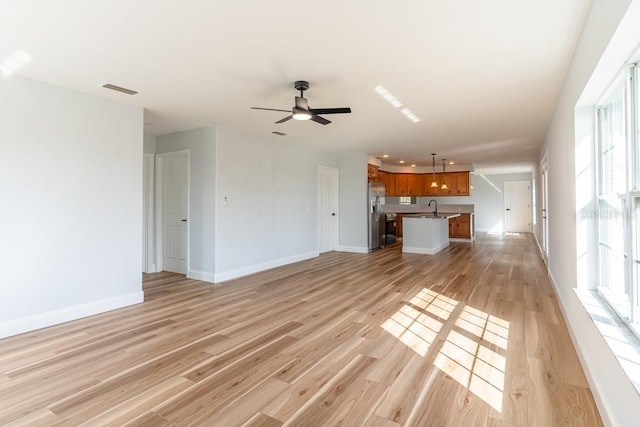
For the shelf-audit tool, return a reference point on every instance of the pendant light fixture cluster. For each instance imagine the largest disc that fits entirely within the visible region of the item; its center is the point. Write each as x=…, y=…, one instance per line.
x=444, y=184
x=434, y=183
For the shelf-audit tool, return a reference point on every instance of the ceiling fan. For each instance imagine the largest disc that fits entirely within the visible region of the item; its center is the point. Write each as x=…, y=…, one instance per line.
x=301, y=110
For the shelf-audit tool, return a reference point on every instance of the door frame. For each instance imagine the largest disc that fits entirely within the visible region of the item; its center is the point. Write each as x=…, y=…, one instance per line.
x=148, y=228
x=544, y=217
x=504, y=192
x=159, y=255
x=336, y=199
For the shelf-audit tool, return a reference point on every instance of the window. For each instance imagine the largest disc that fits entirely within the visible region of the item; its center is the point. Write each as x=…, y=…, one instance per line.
x=619, y=199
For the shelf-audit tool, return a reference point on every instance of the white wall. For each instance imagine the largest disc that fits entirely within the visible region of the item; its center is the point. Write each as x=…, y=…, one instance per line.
x=202, y=181
x=353, y=203
x=618, y=401
x=488, y=200
x=266, y=203
x=71, y=191
x=149, y=143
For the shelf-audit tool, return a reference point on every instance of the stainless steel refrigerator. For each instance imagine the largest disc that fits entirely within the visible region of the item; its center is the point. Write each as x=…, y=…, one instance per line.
x=376, y=216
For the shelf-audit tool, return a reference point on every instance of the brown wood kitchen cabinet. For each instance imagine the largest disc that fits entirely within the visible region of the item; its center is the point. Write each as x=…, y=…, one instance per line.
x=402, y=183
x=389, y=183
x=382, y=177
x=415, y=185
x=419, y=185
x=461, y=183
x=372, y=173
x=428, y=189
x=461, y=227
x=449, y=179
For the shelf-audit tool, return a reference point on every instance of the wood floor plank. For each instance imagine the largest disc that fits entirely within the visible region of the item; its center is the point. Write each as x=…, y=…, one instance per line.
x=471, y=336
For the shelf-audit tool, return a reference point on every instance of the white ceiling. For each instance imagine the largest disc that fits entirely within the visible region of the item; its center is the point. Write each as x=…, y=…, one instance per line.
x=484, y=77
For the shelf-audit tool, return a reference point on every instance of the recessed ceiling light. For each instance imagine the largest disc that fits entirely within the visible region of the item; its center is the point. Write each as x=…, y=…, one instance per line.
x=387, y=95
x=386, y=156
x=451, y=163
x=413, y=165
x=401, y=161
x=408, y=114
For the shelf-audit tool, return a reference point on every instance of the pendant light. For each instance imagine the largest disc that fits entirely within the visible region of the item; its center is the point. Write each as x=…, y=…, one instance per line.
x=444, y=183
x=434, y=183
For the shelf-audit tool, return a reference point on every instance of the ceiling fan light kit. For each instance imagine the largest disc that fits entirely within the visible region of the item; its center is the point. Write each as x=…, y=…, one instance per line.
x=301, y=110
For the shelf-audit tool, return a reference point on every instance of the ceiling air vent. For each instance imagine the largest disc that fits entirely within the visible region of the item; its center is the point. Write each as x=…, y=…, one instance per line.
x=120, y=89
x=275, y=132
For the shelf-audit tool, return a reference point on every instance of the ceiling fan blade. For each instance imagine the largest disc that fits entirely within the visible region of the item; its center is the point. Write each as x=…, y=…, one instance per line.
x=286, y=119
x=330, y=110
x=320, y=120
x=270, y=109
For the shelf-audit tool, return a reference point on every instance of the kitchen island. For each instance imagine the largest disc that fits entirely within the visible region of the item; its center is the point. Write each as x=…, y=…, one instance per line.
x=425, y=233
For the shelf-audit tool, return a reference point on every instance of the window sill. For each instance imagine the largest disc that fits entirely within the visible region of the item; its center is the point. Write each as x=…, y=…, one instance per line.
x=620, y=339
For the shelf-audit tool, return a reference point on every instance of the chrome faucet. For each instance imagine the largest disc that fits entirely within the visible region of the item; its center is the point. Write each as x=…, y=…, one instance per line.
x=435, y=212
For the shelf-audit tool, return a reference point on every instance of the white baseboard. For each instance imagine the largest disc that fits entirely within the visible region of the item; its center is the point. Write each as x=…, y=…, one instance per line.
x=456, y=239
x=354, y=249
x=55, y=317
x=239, y=272
x=425, y=251
x=205, y=276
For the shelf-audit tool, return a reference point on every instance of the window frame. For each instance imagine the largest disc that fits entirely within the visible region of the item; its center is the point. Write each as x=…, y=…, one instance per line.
x=626, y=84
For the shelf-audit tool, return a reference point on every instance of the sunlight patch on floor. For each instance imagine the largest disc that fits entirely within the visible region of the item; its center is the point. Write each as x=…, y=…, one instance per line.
x=471, y=351
x=414, y=323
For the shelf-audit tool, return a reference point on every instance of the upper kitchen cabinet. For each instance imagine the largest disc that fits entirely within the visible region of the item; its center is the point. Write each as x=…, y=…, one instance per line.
x=428, y=189
x=450, y=180
x=415, y=185
x=389, y=183
x=462, y=183
x=457, y=184
x=402, y=184
x=373, y=173
x=382, y=176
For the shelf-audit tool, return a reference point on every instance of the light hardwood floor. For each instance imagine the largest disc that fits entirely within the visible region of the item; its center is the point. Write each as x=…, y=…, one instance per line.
x=471, y=336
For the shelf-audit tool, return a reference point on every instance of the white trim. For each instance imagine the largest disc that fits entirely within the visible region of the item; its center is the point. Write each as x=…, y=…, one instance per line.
x=158, y=210
x=205, y=276
x=149, y=214
x=354, y=249
x=55, y=317
x=457, y=239
x=591, y=380
x=239, y=272
x=424, y=251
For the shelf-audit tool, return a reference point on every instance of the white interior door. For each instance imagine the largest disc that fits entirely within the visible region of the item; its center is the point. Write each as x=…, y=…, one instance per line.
x=174, y=170
x=517, y=204
x=327, y=209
